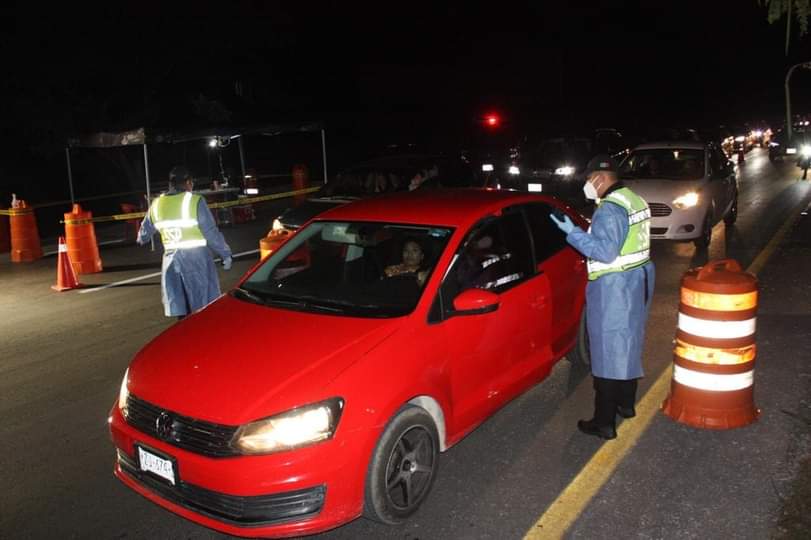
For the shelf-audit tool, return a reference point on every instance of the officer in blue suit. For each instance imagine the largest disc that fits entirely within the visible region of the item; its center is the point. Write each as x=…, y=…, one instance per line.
x=189, y=280
x=618, y=294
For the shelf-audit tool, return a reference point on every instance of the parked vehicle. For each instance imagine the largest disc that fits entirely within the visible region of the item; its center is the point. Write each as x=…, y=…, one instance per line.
x=689, y=187
x=319, y=389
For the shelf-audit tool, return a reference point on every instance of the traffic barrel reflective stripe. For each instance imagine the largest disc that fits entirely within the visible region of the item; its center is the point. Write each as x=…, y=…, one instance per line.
x=714, y=351
x=80, y=237
x=25, y=244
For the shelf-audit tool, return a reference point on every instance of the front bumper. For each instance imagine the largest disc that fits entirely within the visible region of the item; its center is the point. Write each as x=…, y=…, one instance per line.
x=303, y=491
x=684, y=224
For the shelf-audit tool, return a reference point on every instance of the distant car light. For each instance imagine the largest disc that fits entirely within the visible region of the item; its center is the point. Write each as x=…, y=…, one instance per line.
x=212, y=143
x=806, y=150
x=566, y=170
x=757, y=133
x=487, y=167
x=251, y=191
x=740, y=138
x=791, y=150
x=514, y=170
x=536, y=188
x=688, y=200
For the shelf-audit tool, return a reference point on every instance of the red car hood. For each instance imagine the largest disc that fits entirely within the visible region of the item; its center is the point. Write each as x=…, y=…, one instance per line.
x=235, y=362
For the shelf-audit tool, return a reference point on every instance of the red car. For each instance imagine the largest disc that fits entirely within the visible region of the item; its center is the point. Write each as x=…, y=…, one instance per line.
x=324, y=385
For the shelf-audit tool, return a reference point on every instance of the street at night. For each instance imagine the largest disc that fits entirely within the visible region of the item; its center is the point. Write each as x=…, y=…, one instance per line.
x=420, y=272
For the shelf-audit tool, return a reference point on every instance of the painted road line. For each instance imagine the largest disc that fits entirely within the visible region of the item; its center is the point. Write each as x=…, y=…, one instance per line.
x=562, y=513
x=147, y=276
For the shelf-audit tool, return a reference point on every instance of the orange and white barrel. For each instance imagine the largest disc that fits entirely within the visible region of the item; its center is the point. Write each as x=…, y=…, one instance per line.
x=714, y=353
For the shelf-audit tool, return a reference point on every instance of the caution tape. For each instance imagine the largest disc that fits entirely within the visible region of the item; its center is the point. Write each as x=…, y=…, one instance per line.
x=16, y=211
x=226, y=204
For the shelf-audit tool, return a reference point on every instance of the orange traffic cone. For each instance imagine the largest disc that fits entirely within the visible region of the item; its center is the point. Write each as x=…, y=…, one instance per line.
x=65, y=275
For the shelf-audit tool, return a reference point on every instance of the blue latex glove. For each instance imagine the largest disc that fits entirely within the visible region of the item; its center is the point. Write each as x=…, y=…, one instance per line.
x=565, y=224
x=226, y=263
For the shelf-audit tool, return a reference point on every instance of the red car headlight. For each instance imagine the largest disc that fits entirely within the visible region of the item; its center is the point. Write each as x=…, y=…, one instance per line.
x=291, y=429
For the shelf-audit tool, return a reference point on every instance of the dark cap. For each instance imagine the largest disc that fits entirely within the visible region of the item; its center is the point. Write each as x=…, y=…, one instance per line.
x=179, y=174
x=601, y=162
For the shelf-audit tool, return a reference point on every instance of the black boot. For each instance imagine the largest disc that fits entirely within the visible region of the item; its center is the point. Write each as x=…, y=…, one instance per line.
x=605, y=405
x=627, y=398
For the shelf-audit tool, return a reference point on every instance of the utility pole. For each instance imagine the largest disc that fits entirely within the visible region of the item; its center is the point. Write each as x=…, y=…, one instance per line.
x=806, y=65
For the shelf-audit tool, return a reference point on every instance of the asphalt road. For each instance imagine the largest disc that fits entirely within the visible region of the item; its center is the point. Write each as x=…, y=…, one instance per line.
x=62, y=357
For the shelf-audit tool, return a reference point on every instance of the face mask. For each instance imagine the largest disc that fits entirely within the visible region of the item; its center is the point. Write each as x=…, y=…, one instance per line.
x=590, y=191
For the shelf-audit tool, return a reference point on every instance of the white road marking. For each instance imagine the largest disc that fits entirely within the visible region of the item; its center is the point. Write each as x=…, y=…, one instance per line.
x=154, y=274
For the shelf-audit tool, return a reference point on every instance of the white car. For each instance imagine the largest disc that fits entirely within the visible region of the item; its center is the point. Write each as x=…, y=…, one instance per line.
x=689, y=186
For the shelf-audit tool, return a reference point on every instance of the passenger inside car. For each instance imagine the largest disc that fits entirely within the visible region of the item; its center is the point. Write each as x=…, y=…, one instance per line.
x=413, y=257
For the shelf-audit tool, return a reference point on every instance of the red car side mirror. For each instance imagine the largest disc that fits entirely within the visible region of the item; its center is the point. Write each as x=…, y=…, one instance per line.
x=475, y=301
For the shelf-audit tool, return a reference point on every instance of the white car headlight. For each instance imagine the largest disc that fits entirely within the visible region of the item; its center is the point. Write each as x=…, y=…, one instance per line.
x=277, y=226
x=806, y=150
x=740, y=138
x=123, y=394
x=564, y=171
x=688, y=200
x=514, y=170
x=292, y=429
x=487, y=167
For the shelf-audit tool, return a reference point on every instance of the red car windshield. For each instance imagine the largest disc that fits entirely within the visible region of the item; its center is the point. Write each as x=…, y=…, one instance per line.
x=361, y=269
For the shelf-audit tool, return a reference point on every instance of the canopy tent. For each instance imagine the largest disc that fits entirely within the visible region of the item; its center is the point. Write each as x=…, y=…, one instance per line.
x=222, y=135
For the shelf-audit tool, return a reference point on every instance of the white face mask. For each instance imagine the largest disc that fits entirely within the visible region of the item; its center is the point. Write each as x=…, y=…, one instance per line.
x=590, y=191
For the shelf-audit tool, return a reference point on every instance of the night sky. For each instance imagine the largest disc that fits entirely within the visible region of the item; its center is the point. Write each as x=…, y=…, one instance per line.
x=389, y=70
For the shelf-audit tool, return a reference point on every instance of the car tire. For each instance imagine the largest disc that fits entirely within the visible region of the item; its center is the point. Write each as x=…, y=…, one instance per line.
x=403, y=466
x=703, y=241
x=581, y=352
x=732, y=214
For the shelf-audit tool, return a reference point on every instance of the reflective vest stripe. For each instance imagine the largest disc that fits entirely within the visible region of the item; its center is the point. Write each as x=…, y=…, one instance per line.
x=176, y=223
x=632, y=259
x=185, y=244
x=711, y=381
x=716, y=329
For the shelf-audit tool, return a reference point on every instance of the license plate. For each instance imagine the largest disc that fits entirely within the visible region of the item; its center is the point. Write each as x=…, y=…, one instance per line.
x=150, y=462
x=535, y=187
x=791, y=150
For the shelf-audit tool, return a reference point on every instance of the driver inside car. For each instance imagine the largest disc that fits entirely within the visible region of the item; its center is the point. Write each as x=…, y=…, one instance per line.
x=413, y=256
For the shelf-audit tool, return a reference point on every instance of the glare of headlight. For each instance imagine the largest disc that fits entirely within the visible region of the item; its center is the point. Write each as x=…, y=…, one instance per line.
x=688, y=200
x=291, y=429
x=212, y=143
x=806, y=150
x=758, y=133
x=123, y=394
x=277, y=226
x=487, y=167
x=514, y=170
x=566, y=170
x=740, y=138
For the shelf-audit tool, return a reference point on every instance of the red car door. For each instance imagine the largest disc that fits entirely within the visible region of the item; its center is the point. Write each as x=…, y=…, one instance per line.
x=491, y=356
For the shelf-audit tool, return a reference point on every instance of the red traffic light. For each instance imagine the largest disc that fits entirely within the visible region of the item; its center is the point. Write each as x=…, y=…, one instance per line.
x=492, y=120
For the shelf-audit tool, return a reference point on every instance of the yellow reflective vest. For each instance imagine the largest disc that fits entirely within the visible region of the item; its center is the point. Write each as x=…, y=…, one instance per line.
x=635, y=250
x=175, y=217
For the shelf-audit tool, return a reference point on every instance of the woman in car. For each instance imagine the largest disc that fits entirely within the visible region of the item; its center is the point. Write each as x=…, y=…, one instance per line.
x=413, y=256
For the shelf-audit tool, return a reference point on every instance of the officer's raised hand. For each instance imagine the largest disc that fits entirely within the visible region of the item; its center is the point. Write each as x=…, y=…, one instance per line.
x=564, y=224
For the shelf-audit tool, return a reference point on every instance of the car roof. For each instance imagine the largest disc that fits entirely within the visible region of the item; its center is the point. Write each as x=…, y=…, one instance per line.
x=443, y=207
x=685, y=145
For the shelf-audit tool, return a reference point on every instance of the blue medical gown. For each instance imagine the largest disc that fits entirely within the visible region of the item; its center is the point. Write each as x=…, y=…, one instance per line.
x=189, y=278
x=616, y=303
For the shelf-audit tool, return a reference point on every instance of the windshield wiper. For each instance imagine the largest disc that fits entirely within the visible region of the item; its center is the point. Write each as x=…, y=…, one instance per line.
x=301, y=302
x=249, y=296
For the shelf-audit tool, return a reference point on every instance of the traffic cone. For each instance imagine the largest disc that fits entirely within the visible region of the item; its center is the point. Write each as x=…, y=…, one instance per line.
x=65, y=275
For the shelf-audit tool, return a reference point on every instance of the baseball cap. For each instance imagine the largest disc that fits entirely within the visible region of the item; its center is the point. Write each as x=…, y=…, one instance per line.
x=179, y=174
x=601, y=162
